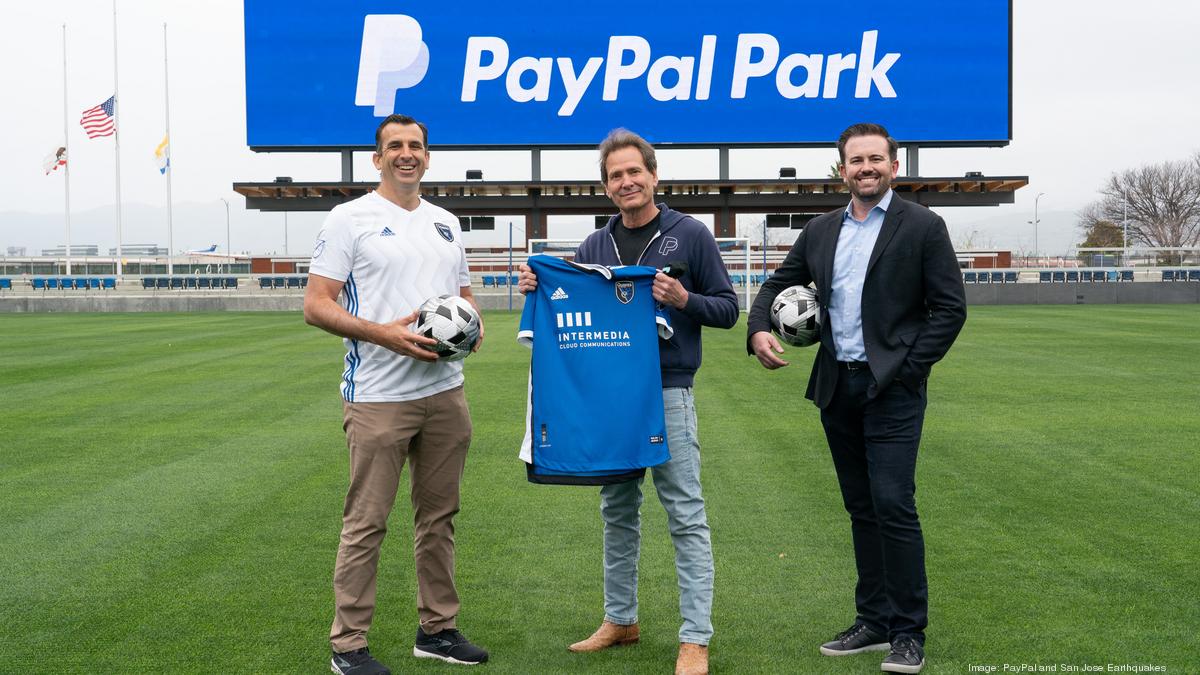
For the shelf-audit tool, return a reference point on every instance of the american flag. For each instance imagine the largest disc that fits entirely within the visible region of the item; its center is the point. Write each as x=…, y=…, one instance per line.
x=99, y=120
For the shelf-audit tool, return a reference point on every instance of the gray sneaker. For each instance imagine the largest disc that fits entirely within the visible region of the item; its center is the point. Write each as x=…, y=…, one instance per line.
x=907, y=656
x=855, y=640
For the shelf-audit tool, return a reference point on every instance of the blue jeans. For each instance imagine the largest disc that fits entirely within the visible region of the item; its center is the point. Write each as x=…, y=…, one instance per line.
x=677, y=482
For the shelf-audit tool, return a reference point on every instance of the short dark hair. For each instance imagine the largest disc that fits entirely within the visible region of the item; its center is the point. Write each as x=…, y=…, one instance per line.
x=624, y=138
x=398, y=119
x=866, y=129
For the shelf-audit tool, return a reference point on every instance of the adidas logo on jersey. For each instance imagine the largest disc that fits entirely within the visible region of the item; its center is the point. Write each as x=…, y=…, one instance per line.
x=387, y=232
x=559, y=294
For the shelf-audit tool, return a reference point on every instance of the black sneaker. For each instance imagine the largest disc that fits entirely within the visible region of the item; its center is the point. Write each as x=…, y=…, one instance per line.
x=907, y=656
x=855, y=640
x=448, y=645
x=357, y=662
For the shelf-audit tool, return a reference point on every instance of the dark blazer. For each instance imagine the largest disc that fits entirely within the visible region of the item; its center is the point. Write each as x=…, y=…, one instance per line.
x=913, y=303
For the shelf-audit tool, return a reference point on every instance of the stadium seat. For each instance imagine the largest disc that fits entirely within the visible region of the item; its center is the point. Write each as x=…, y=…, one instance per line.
x=109, y=283
x=760, y=279
x=1011, y=277
x=1193, y=275
x=304, y=281
x=52, y=282
x=5, y=284
x=969, y=277
x=94, y=283
x=1085, y=275
x=279, y=282
x=1126, y=275
x=191, y=282
x=997, y=277
x=1168, y=275
x=293, y=282
x=39, y=284
x=488, y=280
x=1059, y=277
x=264, y=282
x=175, y=282
x=737, y=279
x=1044, y=277
x=231, y=282
x=1072, y=276
x=162, y=282
x=502, y=280
x=204, y=282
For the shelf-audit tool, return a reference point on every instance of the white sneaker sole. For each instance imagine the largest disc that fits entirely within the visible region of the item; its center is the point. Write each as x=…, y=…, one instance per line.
x=877, y=647
x=898, y=668
x=421, y=654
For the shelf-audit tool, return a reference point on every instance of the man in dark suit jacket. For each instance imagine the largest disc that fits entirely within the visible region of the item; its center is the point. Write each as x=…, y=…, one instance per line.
x=892, y=303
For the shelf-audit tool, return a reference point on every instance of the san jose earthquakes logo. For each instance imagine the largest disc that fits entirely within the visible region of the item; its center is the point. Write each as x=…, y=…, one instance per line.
x=624, y=291
x=445, y=231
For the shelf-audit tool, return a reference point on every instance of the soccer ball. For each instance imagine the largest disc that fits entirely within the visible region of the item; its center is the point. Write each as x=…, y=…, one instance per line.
x=796, y=316
x=453, y=322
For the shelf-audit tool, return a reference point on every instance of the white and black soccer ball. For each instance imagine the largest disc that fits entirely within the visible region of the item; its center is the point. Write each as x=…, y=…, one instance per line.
x=796, y=316
x=453, y=322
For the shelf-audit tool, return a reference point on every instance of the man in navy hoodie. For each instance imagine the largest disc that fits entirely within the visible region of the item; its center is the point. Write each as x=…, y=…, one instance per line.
x=646, y=233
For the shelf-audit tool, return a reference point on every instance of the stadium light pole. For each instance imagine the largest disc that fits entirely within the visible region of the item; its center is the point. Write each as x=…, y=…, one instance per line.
x=1125, y=228
x=1035, y=222
x=228, y=249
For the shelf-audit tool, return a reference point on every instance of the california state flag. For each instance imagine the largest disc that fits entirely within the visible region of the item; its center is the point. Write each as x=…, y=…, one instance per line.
x=54, y=160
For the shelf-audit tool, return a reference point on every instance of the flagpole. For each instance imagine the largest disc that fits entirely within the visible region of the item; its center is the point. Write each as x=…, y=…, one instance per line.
x=167, y=107
x=117, y=136
x=67, y=150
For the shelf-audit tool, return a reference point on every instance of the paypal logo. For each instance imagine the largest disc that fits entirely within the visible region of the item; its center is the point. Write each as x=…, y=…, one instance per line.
x=393, y=57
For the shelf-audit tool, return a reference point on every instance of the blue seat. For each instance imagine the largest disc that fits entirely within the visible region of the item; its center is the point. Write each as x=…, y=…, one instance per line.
x=5, y=284
x=293, y=282
x=1044, y=277
x=1085, y=275
x=502, y=280
x=1011, y=277
x=94, y=282
x=1193, y=275
x=191, y=282
x=1168, y=275
x=969, y=277
x=148, y=282
x=1073, y=276
x=231, y=282
x=39, y=284
x=162, y=282
x=488, y=280
x=737, y=279
x=109, y=283
x=1059, y=277
x=997, y=277
x=176, y=282
x=760, y=279
x=52, y=282
x=204, y=282
x=1126, y=275
x=279, y=282
x=264, y=282
x=217, y=282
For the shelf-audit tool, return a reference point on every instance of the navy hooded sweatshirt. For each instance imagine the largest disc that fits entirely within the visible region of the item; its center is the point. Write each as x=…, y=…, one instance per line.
x=711, y=300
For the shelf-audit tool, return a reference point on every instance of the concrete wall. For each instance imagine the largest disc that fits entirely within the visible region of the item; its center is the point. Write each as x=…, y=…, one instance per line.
x=1127, y=293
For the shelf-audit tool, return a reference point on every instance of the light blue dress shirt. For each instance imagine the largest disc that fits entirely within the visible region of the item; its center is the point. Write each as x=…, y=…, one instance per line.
x=854, y=246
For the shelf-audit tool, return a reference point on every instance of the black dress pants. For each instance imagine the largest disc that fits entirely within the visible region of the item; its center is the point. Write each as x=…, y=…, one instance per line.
x=874, y=442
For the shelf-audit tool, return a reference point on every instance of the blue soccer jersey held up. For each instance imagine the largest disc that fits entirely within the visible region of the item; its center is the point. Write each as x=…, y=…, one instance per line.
x=595, y=413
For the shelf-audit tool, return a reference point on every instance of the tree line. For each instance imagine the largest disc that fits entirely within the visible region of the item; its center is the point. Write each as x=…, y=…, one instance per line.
x=1159, y=202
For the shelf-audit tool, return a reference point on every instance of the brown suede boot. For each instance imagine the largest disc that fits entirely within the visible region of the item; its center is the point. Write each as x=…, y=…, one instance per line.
x=693, y=659
x=607, y=635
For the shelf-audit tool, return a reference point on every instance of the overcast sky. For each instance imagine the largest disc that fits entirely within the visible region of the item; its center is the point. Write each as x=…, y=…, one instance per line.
x=1094, y=90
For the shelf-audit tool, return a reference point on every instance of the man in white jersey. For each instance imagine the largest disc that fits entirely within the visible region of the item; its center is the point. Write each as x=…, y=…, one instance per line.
x=376, y=260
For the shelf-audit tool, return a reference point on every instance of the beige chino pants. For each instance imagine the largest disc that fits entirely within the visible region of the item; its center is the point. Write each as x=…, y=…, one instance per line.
x=433, y=434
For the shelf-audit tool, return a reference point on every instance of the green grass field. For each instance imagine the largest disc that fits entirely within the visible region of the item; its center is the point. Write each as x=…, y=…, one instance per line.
x=171, y=491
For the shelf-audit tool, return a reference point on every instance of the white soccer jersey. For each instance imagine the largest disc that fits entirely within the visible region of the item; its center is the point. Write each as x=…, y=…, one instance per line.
x=391, y=261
